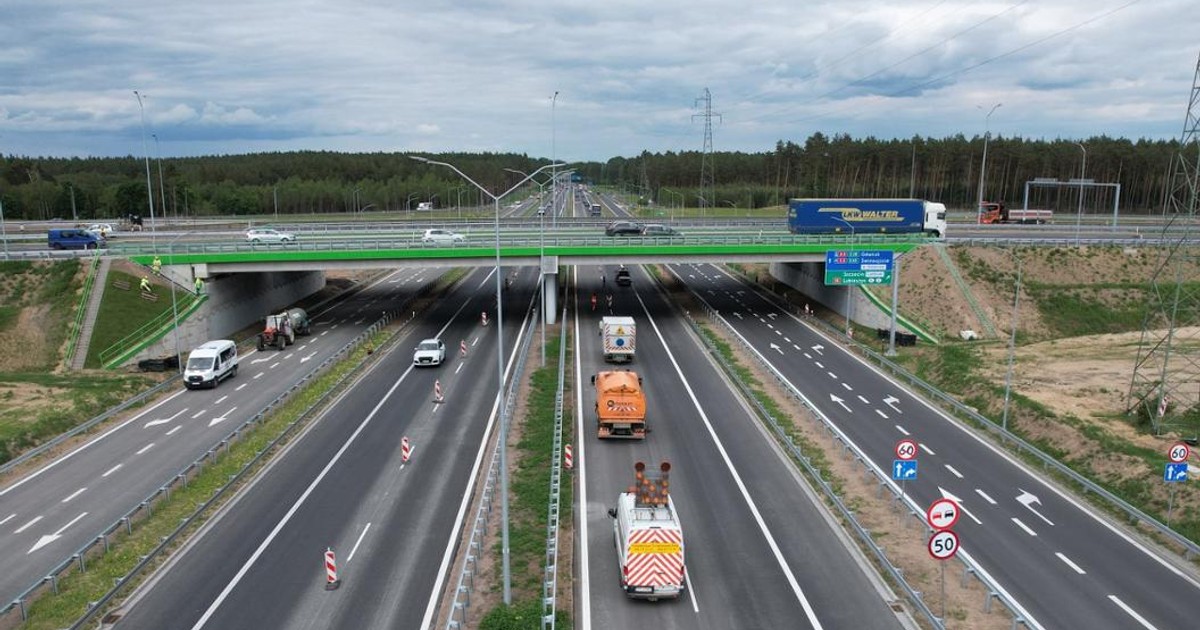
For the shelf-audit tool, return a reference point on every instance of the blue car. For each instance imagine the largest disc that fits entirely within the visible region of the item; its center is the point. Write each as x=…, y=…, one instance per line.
x=75, y=238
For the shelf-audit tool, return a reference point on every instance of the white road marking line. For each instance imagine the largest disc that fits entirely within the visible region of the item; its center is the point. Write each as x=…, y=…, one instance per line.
x=436, y=406
x=806, y=355
x=881, y=414
x=357, y=543
x=926, y=448
x=762, y=320
x=770, y=326
x=1132, y=613
x=158, y=421
x=832, y=375
x=333, y=327
x=787, y=340
x=901, y=429
x=1023, y=526
x=985, y=496
x=952, y=471
x=274, y=365
x=146, y=448
x=289, y=355
x=74, y=494
x=459, y=368
x=174, y=430
x=27, y=525
x=220, y=400
x=323, y=334
x=239, y=387
x=865, y=401
x=778, y=333
x=8, y=518
x=112, y=470
x=847, y=386
x=259, y=375
x=474, y=341
x=198, y=414
x=1068, y=562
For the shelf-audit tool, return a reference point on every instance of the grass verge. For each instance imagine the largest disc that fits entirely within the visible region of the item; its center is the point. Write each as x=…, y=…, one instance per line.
x=123, y=312
x=77, y=589
x=530, y=487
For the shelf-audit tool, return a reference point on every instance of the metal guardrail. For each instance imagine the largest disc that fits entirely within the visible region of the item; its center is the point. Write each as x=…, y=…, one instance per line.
x=99, y=545
x=1132, y=513
x=863, y=535
x=457, y=615
x=550, y=577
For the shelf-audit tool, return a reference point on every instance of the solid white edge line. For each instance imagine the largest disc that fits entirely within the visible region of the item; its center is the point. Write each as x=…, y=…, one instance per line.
x=237, y=578
x=1068, y=562
x=585, y=590
x=75, y=452
x=762, y=525
x=1030, y=620
x=456, y=531
x=1132, y=613
x=357, y=543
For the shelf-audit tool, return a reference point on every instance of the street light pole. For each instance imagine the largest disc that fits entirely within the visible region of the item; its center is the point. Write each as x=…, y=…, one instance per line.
x=983, y=164
x=1082, y=174
x=1012, y=344
x=149, y=184
x=849, y=290
x=553, y=170
x=503, y=439
x=162, y=193
x=174, y=308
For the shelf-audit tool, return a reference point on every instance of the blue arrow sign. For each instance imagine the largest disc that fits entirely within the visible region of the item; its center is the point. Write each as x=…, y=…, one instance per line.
x=1175, y=472
x=904, y=469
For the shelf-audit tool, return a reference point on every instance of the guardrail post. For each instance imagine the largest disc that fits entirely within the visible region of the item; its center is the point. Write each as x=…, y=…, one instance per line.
x=53, y=579
x=82, y=565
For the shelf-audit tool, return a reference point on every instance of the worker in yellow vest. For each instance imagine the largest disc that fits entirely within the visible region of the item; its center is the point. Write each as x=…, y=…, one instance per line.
x=156, y=266
x=146, y=285
x=199, y=285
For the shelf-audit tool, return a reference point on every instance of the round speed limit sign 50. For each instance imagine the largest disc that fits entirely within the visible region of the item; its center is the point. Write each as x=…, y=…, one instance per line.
x=943, y=545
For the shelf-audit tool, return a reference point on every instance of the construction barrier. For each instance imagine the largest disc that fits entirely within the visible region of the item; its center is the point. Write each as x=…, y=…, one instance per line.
x=405, y=449
x=462, y=348
x=331, y=576
x=437, y=392
x=567, y=459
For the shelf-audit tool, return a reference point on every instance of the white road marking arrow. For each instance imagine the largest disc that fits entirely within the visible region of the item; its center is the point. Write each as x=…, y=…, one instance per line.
x=818, y=348
x=222, y=417
x=772, y=316
x=839, y=401
x=303, y=359
x=1027, y=499
x=776, y=348
x=738, y=315
x=947, y=495
x=46, y=540
x=159, y=421
x=891, y=402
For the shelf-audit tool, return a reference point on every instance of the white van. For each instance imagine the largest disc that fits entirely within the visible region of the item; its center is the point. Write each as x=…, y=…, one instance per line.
x=210, y=364
x=425, y=206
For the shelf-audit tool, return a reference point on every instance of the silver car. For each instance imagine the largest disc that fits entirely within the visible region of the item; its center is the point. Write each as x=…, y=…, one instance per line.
x=442, y=237
x=267, y=235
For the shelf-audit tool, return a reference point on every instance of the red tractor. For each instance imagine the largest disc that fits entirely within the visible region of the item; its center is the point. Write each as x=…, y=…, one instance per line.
x=278, y=332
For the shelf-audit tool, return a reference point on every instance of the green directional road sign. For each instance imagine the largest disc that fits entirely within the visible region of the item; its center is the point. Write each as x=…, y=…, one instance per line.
x=842, y=278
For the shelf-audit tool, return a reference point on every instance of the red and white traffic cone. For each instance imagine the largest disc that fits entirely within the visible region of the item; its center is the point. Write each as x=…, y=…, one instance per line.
x=405, y=449
x=483, y=318
x=462, y=348
x=437, y=392
x=331, y=576
x=567, y=463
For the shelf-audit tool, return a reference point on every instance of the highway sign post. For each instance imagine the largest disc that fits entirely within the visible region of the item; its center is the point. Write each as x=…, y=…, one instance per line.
x=856, y=267
x=902, y=471
x=1174, y=473
x=943, y=545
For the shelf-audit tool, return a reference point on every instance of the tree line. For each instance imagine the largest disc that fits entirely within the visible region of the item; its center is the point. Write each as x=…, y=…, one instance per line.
x=305, y=182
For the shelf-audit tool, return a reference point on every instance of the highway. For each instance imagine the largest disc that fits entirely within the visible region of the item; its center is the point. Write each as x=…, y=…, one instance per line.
x=759, y=554
x=343, y=484
x=49, y=513
x=1067, y=566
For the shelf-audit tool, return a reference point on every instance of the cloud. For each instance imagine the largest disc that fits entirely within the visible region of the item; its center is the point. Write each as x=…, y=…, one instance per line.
x=223, y=76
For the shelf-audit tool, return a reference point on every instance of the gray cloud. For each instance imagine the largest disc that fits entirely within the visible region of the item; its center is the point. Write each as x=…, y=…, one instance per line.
x=370, y=75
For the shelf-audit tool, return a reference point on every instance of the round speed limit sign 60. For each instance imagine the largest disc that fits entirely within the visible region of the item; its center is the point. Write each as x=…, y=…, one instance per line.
x=1178, y=452
x=943, y=545
x=906, y=449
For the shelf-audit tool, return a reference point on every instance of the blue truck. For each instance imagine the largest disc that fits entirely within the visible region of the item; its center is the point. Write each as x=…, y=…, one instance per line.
x=866, y=216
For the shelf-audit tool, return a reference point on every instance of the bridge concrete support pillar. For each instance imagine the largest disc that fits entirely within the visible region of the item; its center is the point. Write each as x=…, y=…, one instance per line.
x=809, y=279
x=550, y=289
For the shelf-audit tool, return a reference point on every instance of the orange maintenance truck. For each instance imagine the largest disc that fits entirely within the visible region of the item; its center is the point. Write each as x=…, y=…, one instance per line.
x=620, y=405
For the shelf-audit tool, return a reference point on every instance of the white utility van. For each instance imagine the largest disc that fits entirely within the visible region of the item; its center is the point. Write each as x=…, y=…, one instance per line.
x=210, y=364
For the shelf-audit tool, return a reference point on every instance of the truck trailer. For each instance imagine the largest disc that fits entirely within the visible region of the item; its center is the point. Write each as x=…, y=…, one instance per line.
x=618, y=338
x=994, y=212
x=649, y=538
x=620, y=405
x=866, y=216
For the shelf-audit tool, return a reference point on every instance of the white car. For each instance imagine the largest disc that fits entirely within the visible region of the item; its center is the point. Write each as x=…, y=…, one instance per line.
x=442, y=237
x=265, y=235
x=429, y=352
x=104, y=230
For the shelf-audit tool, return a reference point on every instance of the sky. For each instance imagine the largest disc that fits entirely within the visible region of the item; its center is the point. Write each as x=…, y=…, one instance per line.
x=581, y=80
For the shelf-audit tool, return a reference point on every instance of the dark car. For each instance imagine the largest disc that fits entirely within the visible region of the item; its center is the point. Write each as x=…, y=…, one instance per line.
x=657, y=229
x=622, y=228
x=623, y=277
